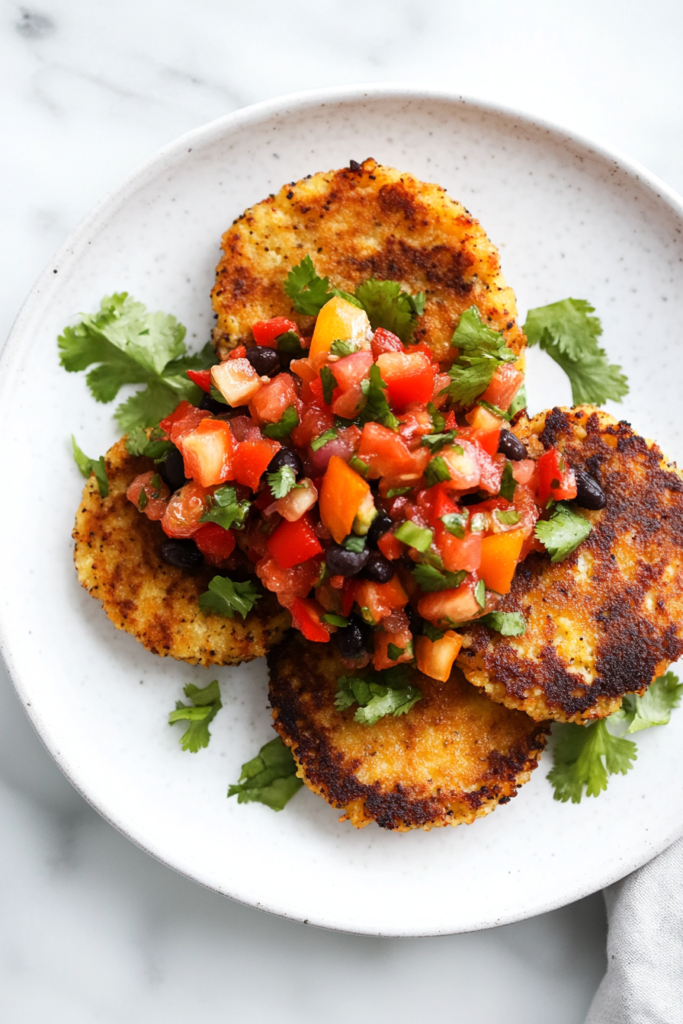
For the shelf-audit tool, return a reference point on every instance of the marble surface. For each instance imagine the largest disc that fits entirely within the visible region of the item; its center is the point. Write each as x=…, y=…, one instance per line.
x=92, y=929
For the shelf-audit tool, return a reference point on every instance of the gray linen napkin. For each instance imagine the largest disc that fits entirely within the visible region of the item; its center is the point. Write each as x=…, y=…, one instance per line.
x=644, y=979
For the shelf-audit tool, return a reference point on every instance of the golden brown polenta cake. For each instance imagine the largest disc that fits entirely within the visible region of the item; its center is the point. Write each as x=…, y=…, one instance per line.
x=609, y=618
x=354, y=223
x=117, y=555
x=452, y=758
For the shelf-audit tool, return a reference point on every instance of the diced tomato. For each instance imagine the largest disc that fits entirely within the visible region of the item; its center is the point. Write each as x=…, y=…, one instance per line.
x=266, y=332
x=415, y=423
x=487, y=439
x=523, y=472
x=244, y=429
x=390, y=547
x=293, y=543
x=270, y=402
x=238, y=353
x=482, y=419
x=208, y=453
x=184, y=418
x=351, y=369
x=306, y=616
x=184, y=510
x=252, y=459
x=529, y=512
x=459, y=552
x=380, y=599
x=347, y=403
x=448, y=606
x=384, y=451
x=214, y=542
x=491, y=471
x=202, y=378
x=385, y=341
x=313, y=392
x=298, y=501
x=402, y=640
x=156, y=494
x=441, y=382
x=505, y=384
x=409, y=377
x=463, y=465
x=555, y=478
x=237, y=380
x=294, y=582
x=450, y=421
x=314, y=422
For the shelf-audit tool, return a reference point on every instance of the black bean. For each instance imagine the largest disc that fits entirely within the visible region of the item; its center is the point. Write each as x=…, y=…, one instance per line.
x=172, y=470
x=589, y=493
x=341, y=562
x=414, y=620
x=285, y=358
x=379, y=526
x=286, y=457
x=183, y=554
x=264, y=360
x=352, y=639
x=379, y=569
x=212, y=405
x=511, y=446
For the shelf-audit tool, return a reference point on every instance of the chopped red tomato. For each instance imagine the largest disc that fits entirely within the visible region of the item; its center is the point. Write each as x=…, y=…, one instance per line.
x=156, y=494
x=184, y=510
x=449, y=606
x=347, y=403
x=214, y=542
x=384, y=451
x=314, y=422
x=491, y=471
x=459, y=552
x=294, y=582
x=505, y=384
x=270, y=402
x=351, y=370
x=380, y=599
x=409, y=377
x=208, y=453
x=266, y=332
x=385, y=341
x=556, y=479
x=184, y=418
x=463, y=465
x=237, y=381
x=293, y=543
x=390, y=547
x=238, y=353
x=402, y=641
x=252, y=459
x=313, y=392
x=306, y=617
x=202, y=378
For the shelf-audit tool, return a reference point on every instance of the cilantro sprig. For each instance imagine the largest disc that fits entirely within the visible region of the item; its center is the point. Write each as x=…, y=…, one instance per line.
x=563, y=532
x=376, y=408
x=431, y=579
x=381, y=693
x=568, y=332
x=505, y=623
x=269, y=778
x=88, y=466
x=653, y=708
x=206, y=703
x=130, y=345
x=480, y=351
x=224, y=508
x=282, y=481
x=227, y=597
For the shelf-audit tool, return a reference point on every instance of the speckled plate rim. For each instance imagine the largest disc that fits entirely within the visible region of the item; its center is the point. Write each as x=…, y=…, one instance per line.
x=48, y=283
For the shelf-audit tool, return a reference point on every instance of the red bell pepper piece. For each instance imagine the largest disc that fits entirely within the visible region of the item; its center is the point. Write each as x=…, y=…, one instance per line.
x=306, y=617
x=252, y=459
x=555, y=478
x=385, y=341
x=294, y=543
x=214, y=541
x=202, y=378
x=238, y=353
x=266, y=332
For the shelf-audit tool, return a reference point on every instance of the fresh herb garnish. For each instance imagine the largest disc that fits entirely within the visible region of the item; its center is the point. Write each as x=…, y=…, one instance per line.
x=206, y=703
x=389, y=307
x=134, y=346
x=481, y=350
x=378, y=694
x=568, y=333
x=282, y=481
x=396, y=492
x=344, y=348
x=418, y=537
x=306, y=289
x=563, y=532
x=225, y=597
x=518, y=402
x=436, y=441
x=480, y=594
x=509, y=517
x=394, y=652
x=584, y=756
x=332, y=619
x=354, y=543
x=376, y=408
x=430, y=579
x=438, y=420
x=505, y=623
x=358, y=464
x=455, y=522
x=329, y=383
x=653, y=708
x=88, y=466
x=495, y=410
x=269, y=778
x=290, y=344
x=224, y=508
x=508, y=484
x=431, y=632
x=321, y=441
x=284, y=426
x=143, y=500
x=436, y=472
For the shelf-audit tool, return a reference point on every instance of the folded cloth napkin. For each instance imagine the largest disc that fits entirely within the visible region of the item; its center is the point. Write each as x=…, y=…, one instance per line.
x=644, y=980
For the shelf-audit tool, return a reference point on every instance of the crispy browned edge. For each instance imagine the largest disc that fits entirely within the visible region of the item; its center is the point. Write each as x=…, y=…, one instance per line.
x=303, y=682
x=355, y=223
x=644, y=499
x=117, y=555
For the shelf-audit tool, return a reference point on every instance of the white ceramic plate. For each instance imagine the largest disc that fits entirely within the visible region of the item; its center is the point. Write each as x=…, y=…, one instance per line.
x=569, y=219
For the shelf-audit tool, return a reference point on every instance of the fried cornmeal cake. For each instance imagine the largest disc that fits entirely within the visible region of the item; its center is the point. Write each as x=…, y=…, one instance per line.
x=362, y=221
x=118, y=558
x=452, y=758
x=608, y=619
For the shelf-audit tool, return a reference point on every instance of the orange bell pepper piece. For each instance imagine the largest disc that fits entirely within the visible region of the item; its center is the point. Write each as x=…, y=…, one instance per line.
x=341, y=494
x=435, y=657
x=499, y=557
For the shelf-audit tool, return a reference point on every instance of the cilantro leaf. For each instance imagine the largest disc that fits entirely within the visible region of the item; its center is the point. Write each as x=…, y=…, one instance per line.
x=394, y=652
x=376, y=695
x=333, y=619
x=290, y=343
x=224, y=509
x=508, y=484
x=568, y=333
x=344, y=348
x=284, y=426
x=88, y=466
x=133, y=346
x=269, y=778
x=137, y=443
x=282, y=481
x=456, y=522
x=376, y=408
x=436, y=441
x=481, y=350
x=225, y=597
x=495, y=410
x=306, y=289
x=430, y=579
x=322, y=439
x=396, y=492
x=563, y=532
x=584, y=757
x=653, y=708
x=480, y=594
x=206, y=703
x=505, y=623
x=354, y=543
x=431, y=632
x=389, y=307
x=518, y=402
x=438, y=421
x=436, y=471
x=329, y=383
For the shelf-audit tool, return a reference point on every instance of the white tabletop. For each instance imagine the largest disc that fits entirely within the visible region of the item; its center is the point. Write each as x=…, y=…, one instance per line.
x=92, y=929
